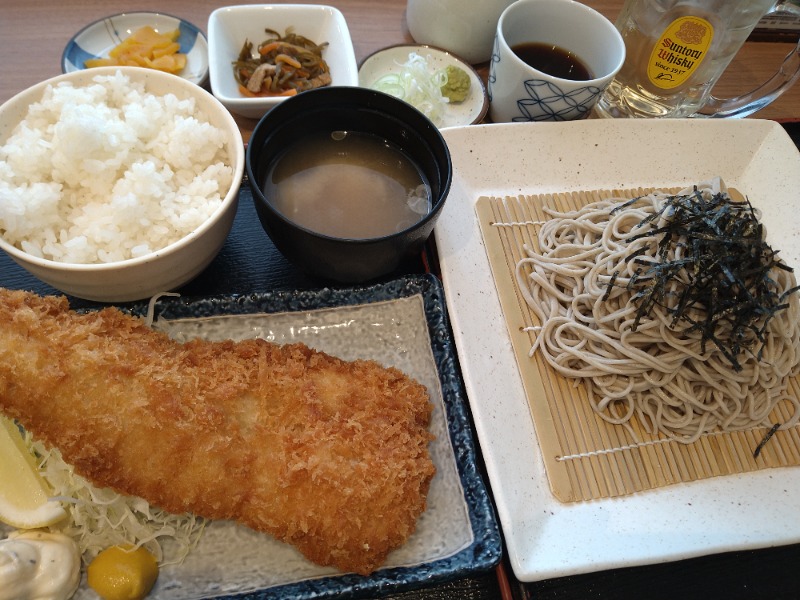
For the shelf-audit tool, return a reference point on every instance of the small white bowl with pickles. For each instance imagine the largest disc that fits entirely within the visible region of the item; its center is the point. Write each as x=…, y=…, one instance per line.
x=229, y=27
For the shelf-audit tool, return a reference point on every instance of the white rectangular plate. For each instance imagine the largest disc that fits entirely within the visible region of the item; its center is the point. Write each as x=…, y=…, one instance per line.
x=546, y=538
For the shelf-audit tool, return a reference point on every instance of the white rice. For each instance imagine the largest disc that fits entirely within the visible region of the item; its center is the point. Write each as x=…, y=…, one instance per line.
x=109, y=172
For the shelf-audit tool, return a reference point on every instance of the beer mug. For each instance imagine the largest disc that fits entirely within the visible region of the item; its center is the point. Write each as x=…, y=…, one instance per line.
x=676, y=50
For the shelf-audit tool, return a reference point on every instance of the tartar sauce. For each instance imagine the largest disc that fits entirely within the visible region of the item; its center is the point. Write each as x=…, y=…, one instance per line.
x=37, y=565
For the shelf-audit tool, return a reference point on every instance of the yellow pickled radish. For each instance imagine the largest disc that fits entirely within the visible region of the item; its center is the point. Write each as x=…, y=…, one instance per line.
x=120, y=573
x=145, y=47
x=24, y=495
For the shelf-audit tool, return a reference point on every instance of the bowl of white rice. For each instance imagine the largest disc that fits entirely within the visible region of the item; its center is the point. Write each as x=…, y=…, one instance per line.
x=117, y=183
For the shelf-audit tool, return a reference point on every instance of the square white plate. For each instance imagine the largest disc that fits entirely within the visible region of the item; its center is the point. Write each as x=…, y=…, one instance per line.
x=546, y=538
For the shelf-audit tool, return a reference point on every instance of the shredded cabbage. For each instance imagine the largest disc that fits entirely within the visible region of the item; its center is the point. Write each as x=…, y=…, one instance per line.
x=415, y=84
x=100, y=517
x=151, y=306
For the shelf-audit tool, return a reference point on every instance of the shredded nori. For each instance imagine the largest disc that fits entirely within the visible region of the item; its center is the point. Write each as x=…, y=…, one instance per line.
x=767, y=437
x=728, y=293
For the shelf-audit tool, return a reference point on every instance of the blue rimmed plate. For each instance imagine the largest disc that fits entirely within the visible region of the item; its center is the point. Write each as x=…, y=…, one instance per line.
x=401, y=323
x=98, y=38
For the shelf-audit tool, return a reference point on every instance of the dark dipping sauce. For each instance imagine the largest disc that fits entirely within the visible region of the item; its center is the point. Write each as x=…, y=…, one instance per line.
x=347, y=184
x=553, y=60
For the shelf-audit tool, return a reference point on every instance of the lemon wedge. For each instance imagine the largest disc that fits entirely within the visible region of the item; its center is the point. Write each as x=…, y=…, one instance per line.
x=24, y=501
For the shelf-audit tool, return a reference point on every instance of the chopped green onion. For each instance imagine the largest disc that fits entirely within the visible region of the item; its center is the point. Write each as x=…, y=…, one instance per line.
x=415, y=84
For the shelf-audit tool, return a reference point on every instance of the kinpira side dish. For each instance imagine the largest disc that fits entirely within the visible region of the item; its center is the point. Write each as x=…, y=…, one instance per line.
x=281, y=65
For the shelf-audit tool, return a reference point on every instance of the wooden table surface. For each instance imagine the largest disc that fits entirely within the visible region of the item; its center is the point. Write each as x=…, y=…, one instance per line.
x=33, y=34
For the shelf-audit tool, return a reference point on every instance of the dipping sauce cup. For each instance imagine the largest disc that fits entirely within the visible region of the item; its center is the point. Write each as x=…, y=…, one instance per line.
x=551, y=32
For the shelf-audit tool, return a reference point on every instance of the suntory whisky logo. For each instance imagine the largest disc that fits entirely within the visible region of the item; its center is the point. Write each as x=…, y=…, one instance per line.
x=679, y=51
x=675, y=54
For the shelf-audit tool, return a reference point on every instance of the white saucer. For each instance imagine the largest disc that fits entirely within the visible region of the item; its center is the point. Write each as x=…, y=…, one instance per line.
x=390, y=60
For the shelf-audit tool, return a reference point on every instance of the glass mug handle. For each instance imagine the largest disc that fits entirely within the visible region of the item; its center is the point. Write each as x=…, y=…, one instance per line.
x=747, y=104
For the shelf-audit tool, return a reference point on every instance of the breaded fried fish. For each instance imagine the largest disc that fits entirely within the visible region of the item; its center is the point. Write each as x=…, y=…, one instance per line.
x=328, y=455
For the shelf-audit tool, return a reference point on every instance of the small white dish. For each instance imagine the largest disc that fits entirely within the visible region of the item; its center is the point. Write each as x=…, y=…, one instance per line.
x=97, y=39
x=230, y=26
x=390, y=60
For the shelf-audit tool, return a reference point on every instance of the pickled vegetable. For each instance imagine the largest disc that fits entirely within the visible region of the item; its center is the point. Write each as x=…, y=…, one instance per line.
x=145, y=47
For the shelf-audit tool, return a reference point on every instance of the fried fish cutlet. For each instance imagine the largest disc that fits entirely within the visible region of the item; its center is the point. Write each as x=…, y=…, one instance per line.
x=328, y=455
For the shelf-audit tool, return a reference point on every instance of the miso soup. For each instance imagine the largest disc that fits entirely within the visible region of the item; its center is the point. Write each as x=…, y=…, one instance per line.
x=348, y=185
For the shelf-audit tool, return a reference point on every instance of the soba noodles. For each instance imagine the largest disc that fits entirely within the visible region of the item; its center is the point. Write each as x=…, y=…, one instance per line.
x=577, y=283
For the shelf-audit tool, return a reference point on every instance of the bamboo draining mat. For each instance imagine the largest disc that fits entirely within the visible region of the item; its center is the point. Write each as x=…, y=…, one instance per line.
x=585, y=457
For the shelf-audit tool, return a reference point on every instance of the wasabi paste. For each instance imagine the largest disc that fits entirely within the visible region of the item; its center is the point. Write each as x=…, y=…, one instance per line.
x=456, y=88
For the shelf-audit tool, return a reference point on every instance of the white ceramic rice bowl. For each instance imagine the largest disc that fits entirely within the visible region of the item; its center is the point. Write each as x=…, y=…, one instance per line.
x=161, y=270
